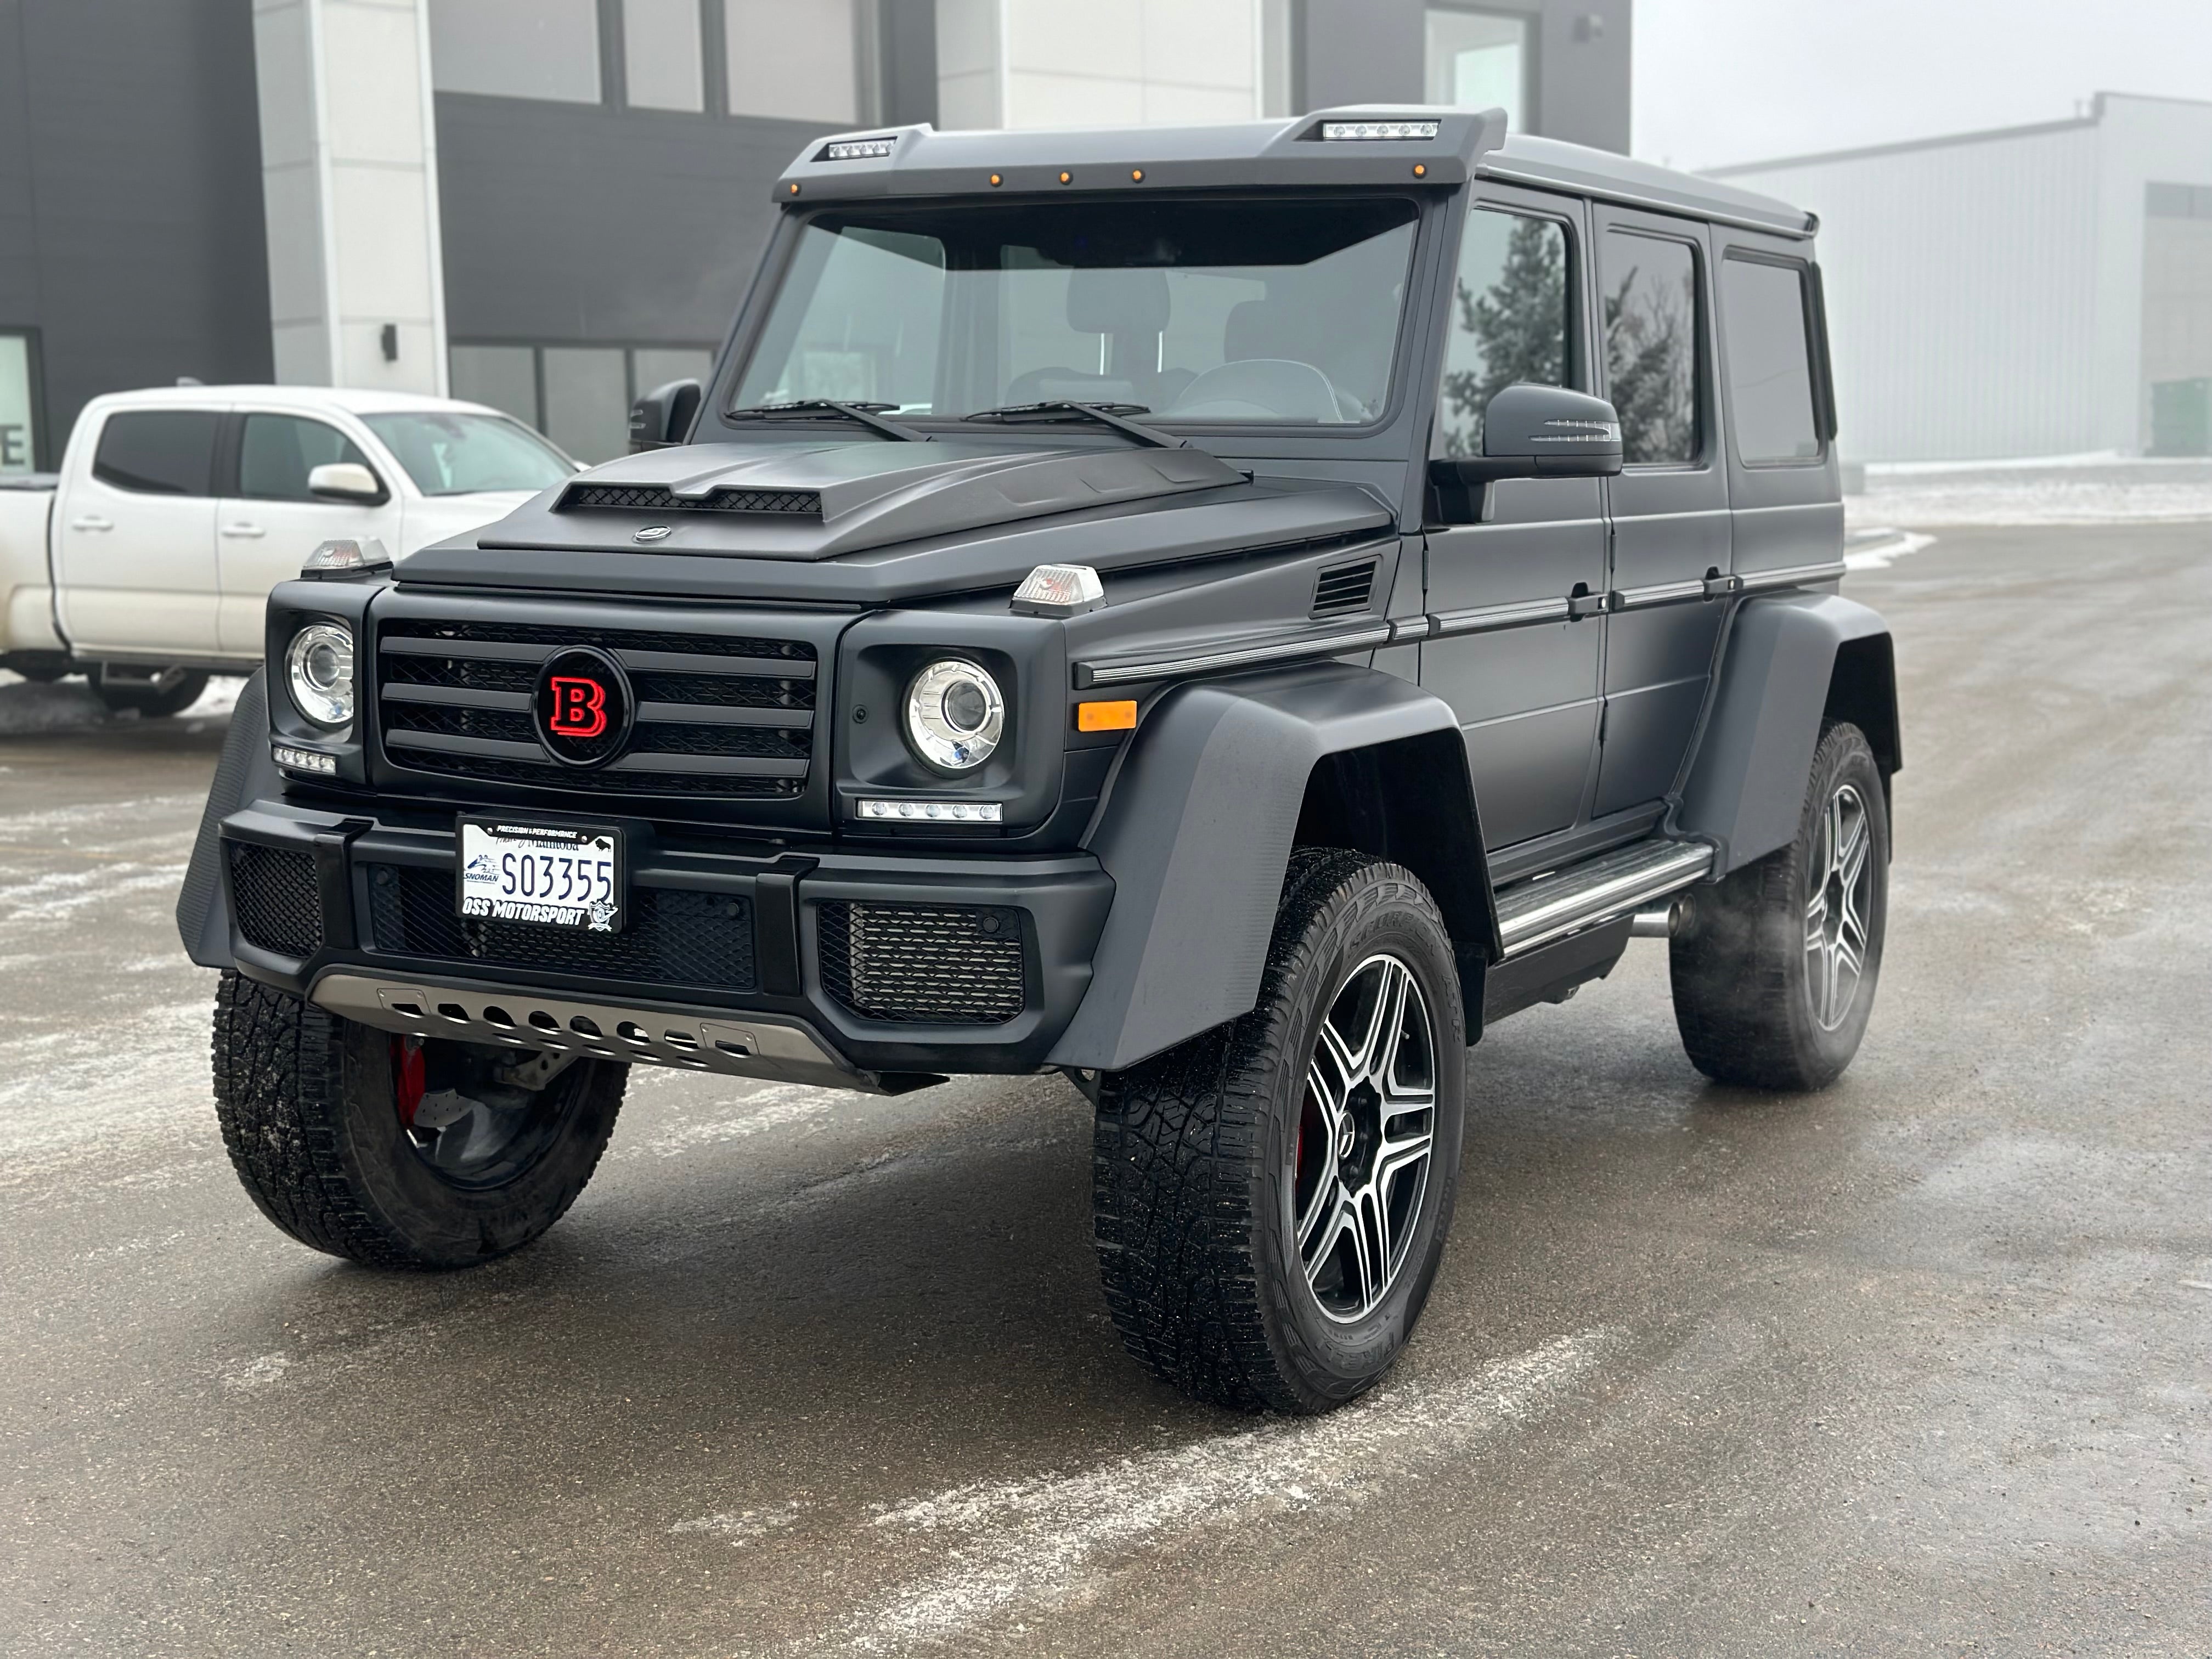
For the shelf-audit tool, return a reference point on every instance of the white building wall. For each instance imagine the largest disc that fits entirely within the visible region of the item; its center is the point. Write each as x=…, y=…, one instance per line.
x=1100, y=63
x=2141, y=140
x=1964, y=284
x=349, y=184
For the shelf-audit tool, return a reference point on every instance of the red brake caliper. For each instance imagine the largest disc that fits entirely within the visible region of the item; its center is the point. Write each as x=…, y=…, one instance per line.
x=407, y=1077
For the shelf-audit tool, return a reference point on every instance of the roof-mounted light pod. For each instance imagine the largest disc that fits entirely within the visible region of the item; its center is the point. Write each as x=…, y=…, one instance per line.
x=1059, y=590
x=336, y=561
x=1338, y=132
x=857, y=150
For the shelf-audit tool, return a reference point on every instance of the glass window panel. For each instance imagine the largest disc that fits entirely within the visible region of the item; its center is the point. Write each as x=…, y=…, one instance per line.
x=517, y=48
x=1650, y=311
x=796, y=59
x=1282, y=309
x=505, y=377
x=1509, y=321
x=1769, y=365
x=161, y=452
x=19, y=445
x=1479, y=60
x=587, y=402
x=448, y=453
x=275, y=452
x=656, y=366
x=662, y=62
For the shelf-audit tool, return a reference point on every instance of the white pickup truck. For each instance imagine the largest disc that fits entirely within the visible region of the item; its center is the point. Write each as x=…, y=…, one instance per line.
x=145, y=563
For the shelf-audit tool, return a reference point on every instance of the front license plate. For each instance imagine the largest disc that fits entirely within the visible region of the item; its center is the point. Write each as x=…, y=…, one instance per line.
x=542, y=873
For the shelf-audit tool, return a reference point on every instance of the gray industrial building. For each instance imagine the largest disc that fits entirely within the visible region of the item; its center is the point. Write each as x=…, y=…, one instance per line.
x=548, y=203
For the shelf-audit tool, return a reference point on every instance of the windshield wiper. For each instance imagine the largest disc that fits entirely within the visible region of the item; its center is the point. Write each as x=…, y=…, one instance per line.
x=1104, y=414
x=867, y=414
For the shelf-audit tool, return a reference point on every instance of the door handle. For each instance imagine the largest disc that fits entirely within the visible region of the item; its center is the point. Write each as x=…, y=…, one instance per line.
x=243, y=530
x=91, y=521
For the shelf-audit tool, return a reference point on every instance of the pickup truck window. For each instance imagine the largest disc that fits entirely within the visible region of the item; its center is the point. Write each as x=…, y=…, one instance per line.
x=1650, y=300
x=158, y=452
x=275, y=452
x=455, y=454
x=1770, y=364
x=1281, y=310
x=1511, y=321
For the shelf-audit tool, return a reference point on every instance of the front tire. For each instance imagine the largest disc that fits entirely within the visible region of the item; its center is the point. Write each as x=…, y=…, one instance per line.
x=1271, y=1198
x=1774, y=969
x=395, y=1153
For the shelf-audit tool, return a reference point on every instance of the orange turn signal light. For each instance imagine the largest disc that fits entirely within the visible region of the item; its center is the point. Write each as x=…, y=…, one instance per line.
x=1106, y=716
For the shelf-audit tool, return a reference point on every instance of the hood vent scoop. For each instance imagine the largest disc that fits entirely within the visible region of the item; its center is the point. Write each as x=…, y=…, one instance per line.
x=654, y=498
x=1343, y=589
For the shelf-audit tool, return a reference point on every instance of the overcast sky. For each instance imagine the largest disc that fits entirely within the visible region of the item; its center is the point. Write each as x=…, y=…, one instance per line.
x=1722, y=81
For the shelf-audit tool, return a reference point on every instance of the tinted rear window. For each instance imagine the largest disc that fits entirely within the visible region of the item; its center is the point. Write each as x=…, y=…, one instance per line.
x=1770, y=362
x=162, y=451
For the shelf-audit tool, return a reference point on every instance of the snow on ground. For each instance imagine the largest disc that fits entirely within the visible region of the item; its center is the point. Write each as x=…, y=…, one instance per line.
x=2096, y=489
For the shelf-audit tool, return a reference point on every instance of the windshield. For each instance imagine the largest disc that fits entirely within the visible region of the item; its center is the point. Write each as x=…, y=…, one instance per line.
x=455, y=454
x=1282, y=310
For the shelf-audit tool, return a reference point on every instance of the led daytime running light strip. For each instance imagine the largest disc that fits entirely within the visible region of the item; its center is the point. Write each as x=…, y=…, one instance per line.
x=941, y=812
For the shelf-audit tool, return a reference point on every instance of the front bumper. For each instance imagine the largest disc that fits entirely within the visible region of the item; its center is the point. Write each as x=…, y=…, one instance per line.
x=752, y=1002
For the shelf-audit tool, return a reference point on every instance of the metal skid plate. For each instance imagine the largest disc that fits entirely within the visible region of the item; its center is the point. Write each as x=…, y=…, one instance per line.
x=516, y=1017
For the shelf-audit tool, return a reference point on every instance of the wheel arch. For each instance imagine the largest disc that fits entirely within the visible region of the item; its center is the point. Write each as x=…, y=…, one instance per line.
x=1793, y=662
x=1221, y=781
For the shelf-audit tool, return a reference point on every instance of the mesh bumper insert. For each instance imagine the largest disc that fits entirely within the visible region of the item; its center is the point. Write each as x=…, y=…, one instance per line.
x=922, y=965
x=274, y=897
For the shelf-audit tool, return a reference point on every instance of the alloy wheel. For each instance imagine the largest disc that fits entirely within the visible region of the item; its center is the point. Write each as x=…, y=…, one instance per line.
x=1839, y=895
x=1366, y=1128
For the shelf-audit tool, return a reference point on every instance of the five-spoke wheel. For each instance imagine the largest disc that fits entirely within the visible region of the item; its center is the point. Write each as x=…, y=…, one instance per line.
x=1366, y=1131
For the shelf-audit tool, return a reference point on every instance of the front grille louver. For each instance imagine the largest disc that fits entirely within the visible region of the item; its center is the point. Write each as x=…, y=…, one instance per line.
x=718, y=715
x=655, y=498
x=1345, y=588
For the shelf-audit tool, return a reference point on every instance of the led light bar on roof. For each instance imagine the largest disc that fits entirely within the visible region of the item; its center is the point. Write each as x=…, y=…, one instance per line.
x=1343, y=131
x=857, y=150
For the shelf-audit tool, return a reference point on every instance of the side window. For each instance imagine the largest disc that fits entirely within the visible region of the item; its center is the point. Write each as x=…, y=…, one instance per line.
x=1511, y=321
x=157, y=452
x=276, y=454
x=1770, y=362
x=1650, y=296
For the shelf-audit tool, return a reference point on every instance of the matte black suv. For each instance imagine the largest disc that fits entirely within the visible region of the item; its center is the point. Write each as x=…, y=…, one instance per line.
x=1224, y=614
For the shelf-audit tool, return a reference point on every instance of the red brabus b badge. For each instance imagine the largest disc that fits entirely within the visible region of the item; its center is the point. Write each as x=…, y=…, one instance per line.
x=584, y=707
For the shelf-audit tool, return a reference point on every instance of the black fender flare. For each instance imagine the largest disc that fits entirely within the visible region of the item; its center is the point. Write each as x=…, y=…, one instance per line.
x=1791, y=661
x=244, y=773
x=1197, y=830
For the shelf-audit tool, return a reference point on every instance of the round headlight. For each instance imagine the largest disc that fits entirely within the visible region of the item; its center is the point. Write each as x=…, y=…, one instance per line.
x=319, y=667
x=954, y=715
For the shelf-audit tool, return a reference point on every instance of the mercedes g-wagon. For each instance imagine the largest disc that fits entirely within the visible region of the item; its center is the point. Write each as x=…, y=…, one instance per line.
x=1224, y=614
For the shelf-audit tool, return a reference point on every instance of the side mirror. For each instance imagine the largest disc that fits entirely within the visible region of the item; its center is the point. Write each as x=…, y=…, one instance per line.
x=1531, y=431
x=663, y=417
x=345, y=481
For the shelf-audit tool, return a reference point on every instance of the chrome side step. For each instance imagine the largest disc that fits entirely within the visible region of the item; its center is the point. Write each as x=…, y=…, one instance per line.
x=1612, y=884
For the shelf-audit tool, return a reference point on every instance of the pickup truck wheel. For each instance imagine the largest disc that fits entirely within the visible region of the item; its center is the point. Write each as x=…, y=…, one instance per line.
x=1774, y=969
x=394, y=1153
x=1271, y=1198
x=170, y=692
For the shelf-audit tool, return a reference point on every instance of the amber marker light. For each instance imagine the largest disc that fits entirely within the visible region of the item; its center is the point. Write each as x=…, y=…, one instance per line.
x=1066, y=178
x=1137, y=174
x=1106, y=716
x=794, y=190
x=1420, y=171
x=996, y=181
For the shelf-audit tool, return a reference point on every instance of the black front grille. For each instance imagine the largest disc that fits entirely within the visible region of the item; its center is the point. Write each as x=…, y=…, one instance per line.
x=718, y=715
x=1343, y=589
x=674, y=937
x=275, y=898
x=922, y=965
x=652, y=498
